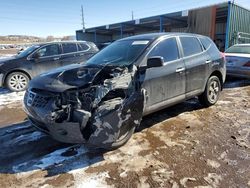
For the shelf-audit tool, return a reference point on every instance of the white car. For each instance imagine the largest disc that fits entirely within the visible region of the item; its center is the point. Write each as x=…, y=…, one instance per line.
x=238, y=60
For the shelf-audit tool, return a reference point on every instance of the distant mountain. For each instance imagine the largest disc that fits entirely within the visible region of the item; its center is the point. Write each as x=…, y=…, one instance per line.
x=16, y=39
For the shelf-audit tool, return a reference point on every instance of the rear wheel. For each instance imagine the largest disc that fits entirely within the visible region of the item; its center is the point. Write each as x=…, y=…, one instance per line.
x=212, y=92
x=17, y=81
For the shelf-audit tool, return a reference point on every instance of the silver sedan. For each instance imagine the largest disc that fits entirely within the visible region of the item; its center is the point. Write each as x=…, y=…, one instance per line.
x=238, y=60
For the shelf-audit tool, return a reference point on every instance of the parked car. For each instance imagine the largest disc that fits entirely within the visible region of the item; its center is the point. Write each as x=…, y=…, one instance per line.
x=238, y=60
x=102, y=101
x=16, y=71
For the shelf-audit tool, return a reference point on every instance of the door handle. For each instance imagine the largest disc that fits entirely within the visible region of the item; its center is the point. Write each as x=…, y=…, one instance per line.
x=208, y=61
x=180, y=70
x=56, y=58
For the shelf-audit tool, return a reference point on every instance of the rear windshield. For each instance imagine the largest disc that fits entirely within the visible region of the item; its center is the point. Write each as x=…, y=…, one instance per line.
x=239, y=49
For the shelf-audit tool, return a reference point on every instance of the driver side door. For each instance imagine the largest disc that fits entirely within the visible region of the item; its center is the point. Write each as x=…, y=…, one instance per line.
x=45, y=59
x=165, y=85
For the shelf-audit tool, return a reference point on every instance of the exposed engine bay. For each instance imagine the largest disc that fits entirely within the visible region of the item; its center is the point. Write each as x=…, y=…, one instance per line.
x=96, y=105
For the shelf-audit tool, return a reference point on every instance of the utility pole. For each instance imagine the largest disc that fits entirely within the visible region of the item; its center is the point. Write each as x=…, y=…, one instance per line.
x=83, y=22
x=132, y=15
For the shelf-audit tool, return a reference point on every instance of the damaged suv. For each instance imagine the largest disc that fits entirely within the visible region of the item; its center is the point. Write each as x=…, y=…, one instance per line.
x=100, y=103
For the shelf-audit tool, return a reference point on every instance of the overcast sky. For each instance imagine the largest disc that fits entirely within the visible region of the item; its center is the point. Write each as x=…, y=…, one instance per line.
x=63, y=17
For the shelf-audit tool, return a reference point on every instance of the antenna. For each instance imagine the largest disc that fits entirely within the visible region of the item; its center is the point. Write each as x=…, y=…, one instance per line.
x=132, y=15
x=83, y=22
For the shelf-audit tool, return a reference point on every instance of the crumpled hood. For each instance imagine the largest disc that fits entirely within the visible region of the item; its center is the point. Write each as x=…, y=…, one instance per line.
x=64, y=78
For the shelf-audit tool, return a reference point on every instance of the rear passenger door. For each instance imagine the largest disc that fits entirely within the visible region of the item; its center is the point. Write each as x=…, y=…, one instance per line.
x=69, y=55
x=164, y=84
x=196, y=62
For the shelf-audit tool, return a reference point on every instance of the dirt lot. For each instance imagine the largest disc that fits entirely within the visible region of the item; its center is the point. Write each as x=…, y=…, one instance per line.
x=182, y=146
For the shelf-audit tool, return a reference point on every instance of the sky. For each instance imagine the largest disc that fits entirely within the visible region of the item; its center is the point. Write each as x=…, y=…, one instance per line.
x=62, y=17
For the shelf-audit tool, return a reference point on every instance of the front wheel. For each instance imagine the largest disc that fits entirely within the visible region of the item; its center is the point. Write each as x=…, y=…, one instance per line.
x=17, y=81
x=123, y=138
x=212, y=92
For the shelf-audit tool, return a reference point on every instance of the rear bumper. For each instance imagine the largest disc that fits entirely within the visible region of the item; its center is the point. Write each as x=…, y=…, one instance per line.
x=238, y=72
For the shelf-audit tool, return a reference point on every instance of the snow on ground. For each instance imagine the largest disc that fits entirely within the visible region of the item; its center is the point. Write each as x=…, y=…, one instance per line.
x=7, y=97
x=5, y=56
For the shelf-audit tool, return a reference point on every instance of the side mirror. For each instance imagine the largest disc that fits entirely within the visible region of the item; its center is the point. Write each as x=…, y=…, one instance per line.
x=155, y=61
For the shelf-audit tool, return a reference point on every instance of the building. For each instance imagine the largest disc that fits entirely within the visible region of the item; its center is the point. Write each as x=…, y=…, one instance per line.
x=226, y=23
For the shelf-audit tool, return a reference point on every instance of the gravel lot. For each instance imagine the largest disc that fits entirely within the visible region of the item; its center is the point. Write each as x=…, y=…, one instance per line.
x=182, y=146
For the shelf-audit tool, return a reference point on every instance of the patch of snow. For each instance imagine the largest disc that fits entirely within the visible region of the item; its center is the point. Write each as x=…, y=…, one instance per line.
x=57, y=157
x=7, y=97
x=93, y=181
x=213, y=164
x=6, y=56
x=184, y=181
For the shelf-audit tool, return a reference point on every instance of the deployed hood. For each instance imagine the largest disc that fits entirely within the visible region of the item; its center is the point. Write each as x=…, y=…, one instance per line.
x=67, y=77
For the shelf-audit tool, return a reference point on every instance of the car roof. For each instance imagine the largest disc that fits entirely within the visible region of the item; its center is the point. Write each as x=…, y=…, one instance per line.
x=153, y=36
x=60, y=42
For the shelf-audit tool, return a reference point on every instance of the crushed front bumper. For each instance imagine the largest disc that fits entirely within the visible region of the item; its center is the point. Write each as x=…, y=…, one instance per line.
x=40, y=116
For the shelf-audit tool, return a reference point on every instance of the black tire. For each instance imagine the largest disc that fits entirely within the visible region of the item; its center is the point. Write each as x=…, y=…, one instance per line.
x=212, y=92
x=125, y=132
x=121, y=141
x=17, y=81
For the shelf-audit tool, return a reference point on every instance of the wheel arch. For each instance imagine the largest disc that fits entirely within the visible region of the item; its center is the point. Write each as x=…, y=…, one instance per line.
x=219, y=75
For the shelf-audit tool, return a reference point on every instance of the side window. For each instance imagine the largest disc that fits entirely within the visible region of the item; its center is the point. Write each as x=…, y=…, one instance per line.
x=190, y=45
x=48, y=50
x=167, y=49
x=82, y=47
x=205, y=42
x=69, y=47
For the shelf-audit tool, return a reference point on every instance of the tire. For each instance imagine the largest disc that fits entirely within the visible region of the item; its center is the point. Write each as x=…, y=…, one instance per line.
x=17, y=81
x=123, y=139
x=212, y=92
x=125, y=132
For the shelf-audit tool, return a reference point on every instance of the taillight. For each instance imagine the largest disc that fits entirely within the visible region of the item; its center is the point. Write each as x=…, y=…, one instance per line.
x=223, y=55
x=247, y=64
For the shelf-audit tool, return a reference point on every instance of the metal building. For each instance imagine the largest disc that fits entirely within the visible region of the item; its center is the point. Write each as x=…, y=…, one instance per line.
x=225, y=23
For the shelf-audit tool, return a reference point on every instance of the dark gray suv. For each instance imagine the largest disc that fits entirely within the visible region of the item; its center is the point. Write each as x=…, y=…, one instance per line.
x=16, y=71
x=102, y=102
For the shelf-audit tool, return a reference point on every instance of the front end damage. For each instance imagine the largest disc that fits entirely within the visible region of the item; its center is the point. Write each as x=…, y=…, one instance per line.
x=98, y=106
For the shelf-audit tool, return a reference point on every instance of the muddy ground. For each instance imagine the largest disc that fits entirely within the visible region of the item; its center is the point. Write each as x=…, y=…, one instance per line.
x=182, y=146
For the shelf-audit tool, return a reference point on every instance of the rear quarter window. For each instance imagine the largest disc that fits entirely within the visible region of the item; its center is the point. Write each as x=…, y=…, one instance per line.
x=69, y=47
x=190, y=46
x=206, y=42
x=83, y=47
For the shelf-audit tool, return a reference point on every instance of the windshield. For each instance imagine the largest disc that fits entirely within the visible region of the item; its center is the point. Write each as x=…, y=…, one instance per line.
x=120, y=53
x=239, y=49
x=27, y=51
